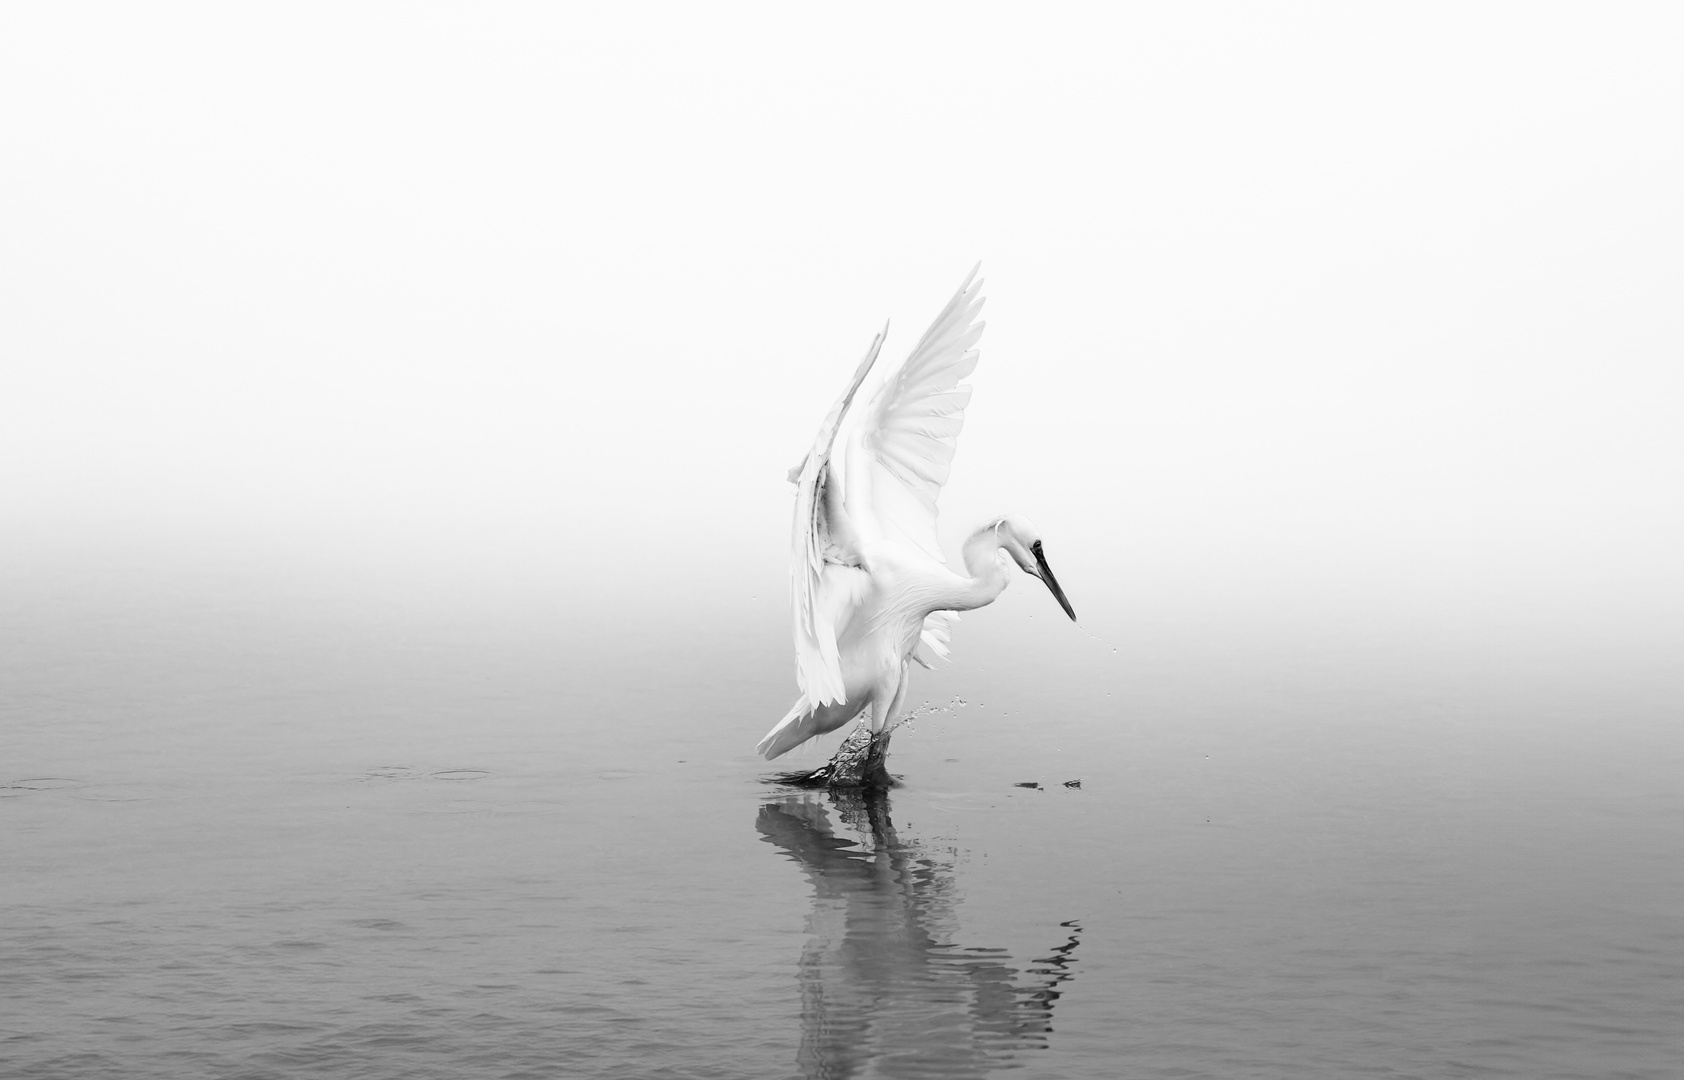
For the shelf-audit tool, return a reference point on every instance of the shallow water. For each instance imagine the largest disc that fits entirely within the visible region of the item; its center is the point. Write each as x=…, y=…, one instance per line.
x=260, y=832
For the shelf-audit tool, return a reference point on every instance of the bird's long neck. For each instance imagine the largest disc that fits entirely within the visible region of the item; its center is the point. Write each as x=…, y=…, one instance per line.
x=988, y=575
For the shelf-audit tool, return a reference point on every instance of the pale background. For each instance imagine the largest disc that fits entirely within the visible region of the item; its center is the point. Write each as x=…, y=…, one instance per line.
x=394, y=419
x=1347, y=311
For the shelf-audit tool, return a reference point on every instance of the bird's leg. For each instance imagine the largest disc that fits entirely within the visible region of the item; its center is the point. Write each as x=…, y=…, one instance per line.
x=850, y=768
x=845, y=769
x=890, y=723
x=876, y=771
x=870, y=770
x=857, y=764
x=860, y=762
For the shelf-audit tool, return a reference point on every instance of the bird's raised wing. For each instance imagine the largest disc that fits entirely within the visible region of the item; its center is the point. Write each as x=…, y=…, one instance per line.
x=895, y=459
x=911, y=428
x=821, y=526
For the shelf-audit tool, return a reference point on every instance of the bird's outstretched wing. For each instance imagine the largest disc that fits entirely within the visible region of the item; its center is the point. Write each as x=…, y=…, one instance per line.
x=904, y=452
x=894, y=460
x=820, y=525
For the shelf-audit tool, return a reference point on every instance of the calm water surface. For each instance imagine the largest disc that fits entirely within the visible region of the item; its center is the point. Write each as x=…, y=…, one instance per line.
x=257, y=834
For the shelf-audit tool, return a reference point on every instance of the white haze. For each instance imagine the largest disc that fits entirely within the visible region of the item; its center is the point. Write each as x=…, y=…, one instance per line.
x=1370, y=304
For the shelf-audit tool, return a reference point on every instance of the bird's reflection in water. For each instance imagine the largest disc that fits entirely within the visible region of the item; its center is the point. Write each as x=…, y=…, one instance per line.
x=884, y=991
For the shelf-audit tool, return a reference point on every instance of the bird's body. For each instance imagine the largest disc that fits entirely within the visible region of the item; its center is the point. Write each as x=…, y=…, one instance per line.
x=882, y=609
x=869, y=580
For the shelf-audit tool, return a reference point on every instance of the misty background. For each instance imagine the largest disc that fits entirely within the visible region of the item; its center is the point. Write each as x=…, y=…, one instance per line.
x=395, y=408
x=1320, y=318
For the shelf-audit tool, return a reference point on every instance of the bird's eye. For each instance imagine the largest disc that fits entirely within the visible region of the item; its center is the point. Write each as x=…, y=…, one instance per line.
x=1035, y=549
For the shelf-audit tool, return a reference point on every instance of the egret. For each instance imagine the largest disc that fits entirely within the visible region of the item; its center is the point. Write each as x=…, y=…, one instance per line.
x=869, y=580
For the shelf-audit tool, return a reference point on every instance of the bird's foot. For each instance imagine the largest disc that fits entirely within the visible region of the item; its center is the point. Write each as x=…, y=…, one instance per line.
x=858, y=763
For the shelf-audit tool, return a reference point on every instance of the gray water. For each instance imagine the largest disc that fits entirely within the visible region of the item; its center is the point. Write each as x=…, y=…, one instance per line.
x=259, y=829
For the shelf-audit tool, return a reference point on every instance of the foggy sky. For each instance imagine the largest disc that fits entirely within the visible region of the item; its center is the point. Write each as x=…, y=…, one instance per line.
x=1374, y=297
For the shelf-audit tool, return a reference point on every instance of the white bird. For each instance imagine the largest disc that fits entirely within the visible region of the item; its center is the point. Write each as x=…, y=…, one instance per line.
x=869, y=579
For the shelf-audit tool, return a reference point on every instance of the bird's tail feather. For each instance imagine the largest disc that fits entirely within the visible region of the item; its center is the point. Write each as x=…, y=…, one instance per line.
x=802, y=723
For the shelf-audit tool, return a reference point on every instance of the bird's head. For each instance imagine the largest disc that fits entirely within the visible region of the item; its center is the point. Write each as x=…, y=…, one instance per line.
x=1022, y=541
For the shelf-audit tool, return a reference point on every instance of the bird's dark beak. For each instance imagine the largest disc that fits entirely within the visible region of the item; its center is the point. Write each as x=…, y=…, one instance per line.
x=1044, y=572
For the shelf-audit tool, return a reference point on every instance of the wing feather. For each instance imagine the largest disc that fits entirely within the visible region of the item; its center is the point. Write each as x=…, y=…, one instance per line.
x=913, y=422
x=937, y=633
x=894, y=460
x=820, y=599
